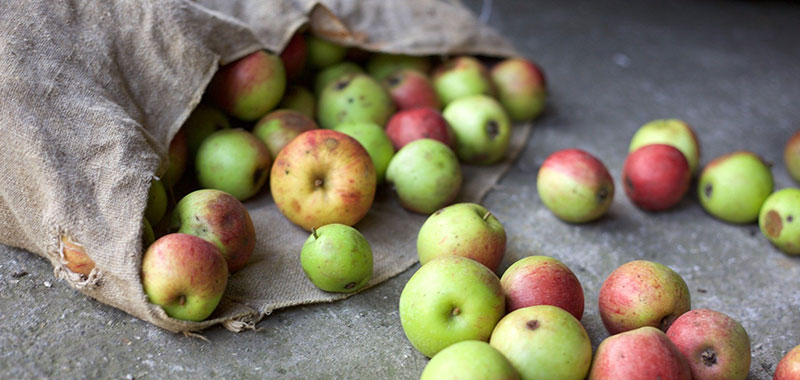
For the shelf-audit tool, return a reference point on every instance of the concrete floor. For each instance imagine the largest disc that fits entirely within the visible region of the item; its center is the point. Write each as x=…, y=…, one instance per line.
x=730, y=68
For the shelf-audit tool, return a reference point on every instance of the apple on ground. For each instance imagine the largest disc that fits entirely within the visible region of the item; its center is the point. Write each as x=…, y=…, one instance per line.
x=323, y=177
x=544, y=342
x=482, y=129
x=425, y=176
x=354, y=98
x=178, y=155
x=789, y=367
x=202, y=122
x=448, y=300
x=463, y=229
x=185, y=275
x=249, y=87
x=656, y=177
x=373, y=138
x=411, y=89
x=777, y=220
x=406, y=126
x=294, y=55
x=733, y=187
x=323, y=53
x=234, y=161
x=671, y=132
x=521, y=88
x=461, y=77
x=542, y=280
x=642, y=354
x=714, y=344
x=381, y=65
x=279, y=127
x=642, y=293
x=299, y=99
x=337, y=258
x=220, y=219
x=156, y=202
x=575, y=186
x=791, y=156
x=469, y=360
x=333, y=73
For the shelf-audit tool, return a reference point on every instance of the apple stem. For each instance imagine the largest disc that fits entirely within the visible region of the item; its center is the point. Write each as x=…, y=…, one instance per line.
x=314, y=232
x=488, y=214
x=182, y=300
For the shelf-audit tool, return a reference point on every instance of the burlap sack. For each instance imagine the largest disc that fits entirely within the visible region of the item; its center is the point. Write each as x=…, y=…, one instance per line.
x=91, y=93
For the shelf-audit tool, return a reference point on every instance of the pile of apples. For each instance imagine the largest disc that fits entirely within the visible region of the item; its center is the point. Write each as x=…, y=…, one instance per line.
x=386, y=119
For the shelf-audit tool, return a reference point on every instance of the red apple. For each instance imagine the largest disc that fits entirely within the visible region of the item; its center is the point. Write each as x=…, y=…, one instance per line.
x=521, y=88
x=294, y=55
x=279, y=127
x=411, y=89
x=714, y=344
x=249, y=87
x=642, y=354
x=656, y=177
x=419, y=123
x=323, y=177
x=642, y=293
x=575, y=186
x=789, y=367
x=178, y=156
x=542, y=280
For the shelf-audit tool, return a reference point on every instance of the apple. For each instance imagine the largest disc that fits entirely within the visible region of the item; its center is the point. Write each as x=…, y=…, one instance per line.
x=714, y=344
x=777, y=223
x=411, y=89
x=74, y=257
x=469, y=360
x=448, y=300
x=322, y=53
x=575, y=186
x=249, y=87
x=734, y=186
x=294, y=55
x=234, y=161
x=219, y=218
x=671, y=132
x=299, y=99
x=642, y=354
x=337, y=258
x=425, y=176
x=542, y=280
x=156, y=202
x=482, y=128
x=354, y=98
x=642, y=293
x=521, y=88
x=463, y=229
x=373, y=138
x=544, y=342
x=789, y=367
x=332, y=73
x=185, y=275
x=656, y=177
x=461, y=77
x=202, y=122
x=148, y=236
x=419, y=123
x=178, y=155
x=791, y=156
x=381, y=65
x=323, y=177
x=279, y=127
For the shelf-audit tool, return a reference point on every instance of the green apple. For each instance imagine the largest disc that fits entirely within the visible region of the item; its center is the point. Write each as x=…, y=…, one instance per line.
x=185, y=275
x=337, y=258
x=323, y=53
x=178, y=155
x=482, y=128
x=299, y=99
x=734, y=186
x=202, y=122
x=373, y=138
x=544, y=342
x=156, y=202
x=463, y=229
x=671, y=132
x=791, y=156
x=249, y=87
x=220, y=219
x=461, y=77
x=381, y=65
x=469, y=360
x=234, y=161
x=354, y=97
x=777, y=220
x=448, y=300
x=279, y=127
x=521, y=88
x=148, y=236
x=332, y=73
x=575, y=186
x=425, y=175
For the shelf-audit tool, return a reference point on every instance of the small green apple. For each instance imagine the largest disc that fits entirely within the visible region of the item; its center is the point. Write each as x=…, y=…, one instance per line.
x=425, y=175
x=148, y=236
x=448, y=300
x=521, y=88
x=354, y=97
x=203, y=121
x=373, y=138
x=575, y=186
x=381, y=65
x=234, y=161
x=777, y=220
x=156, y=202
x=332, y=73
x=461, y=77
x=671, y=132
x=469, y=360
x=337, y=258
x=482, y=128
x=299, y=99
x=322, y=53
x=734, y=186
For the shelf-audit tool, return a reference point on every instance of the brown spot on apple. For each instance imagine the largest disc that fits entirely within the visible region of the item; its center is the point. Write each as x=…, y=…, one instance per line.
x=331, y=143
x=707, y=190
x=709, y=357
x=773, y=224
x=492, y=129
x=533, y=324
x=350, y=285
